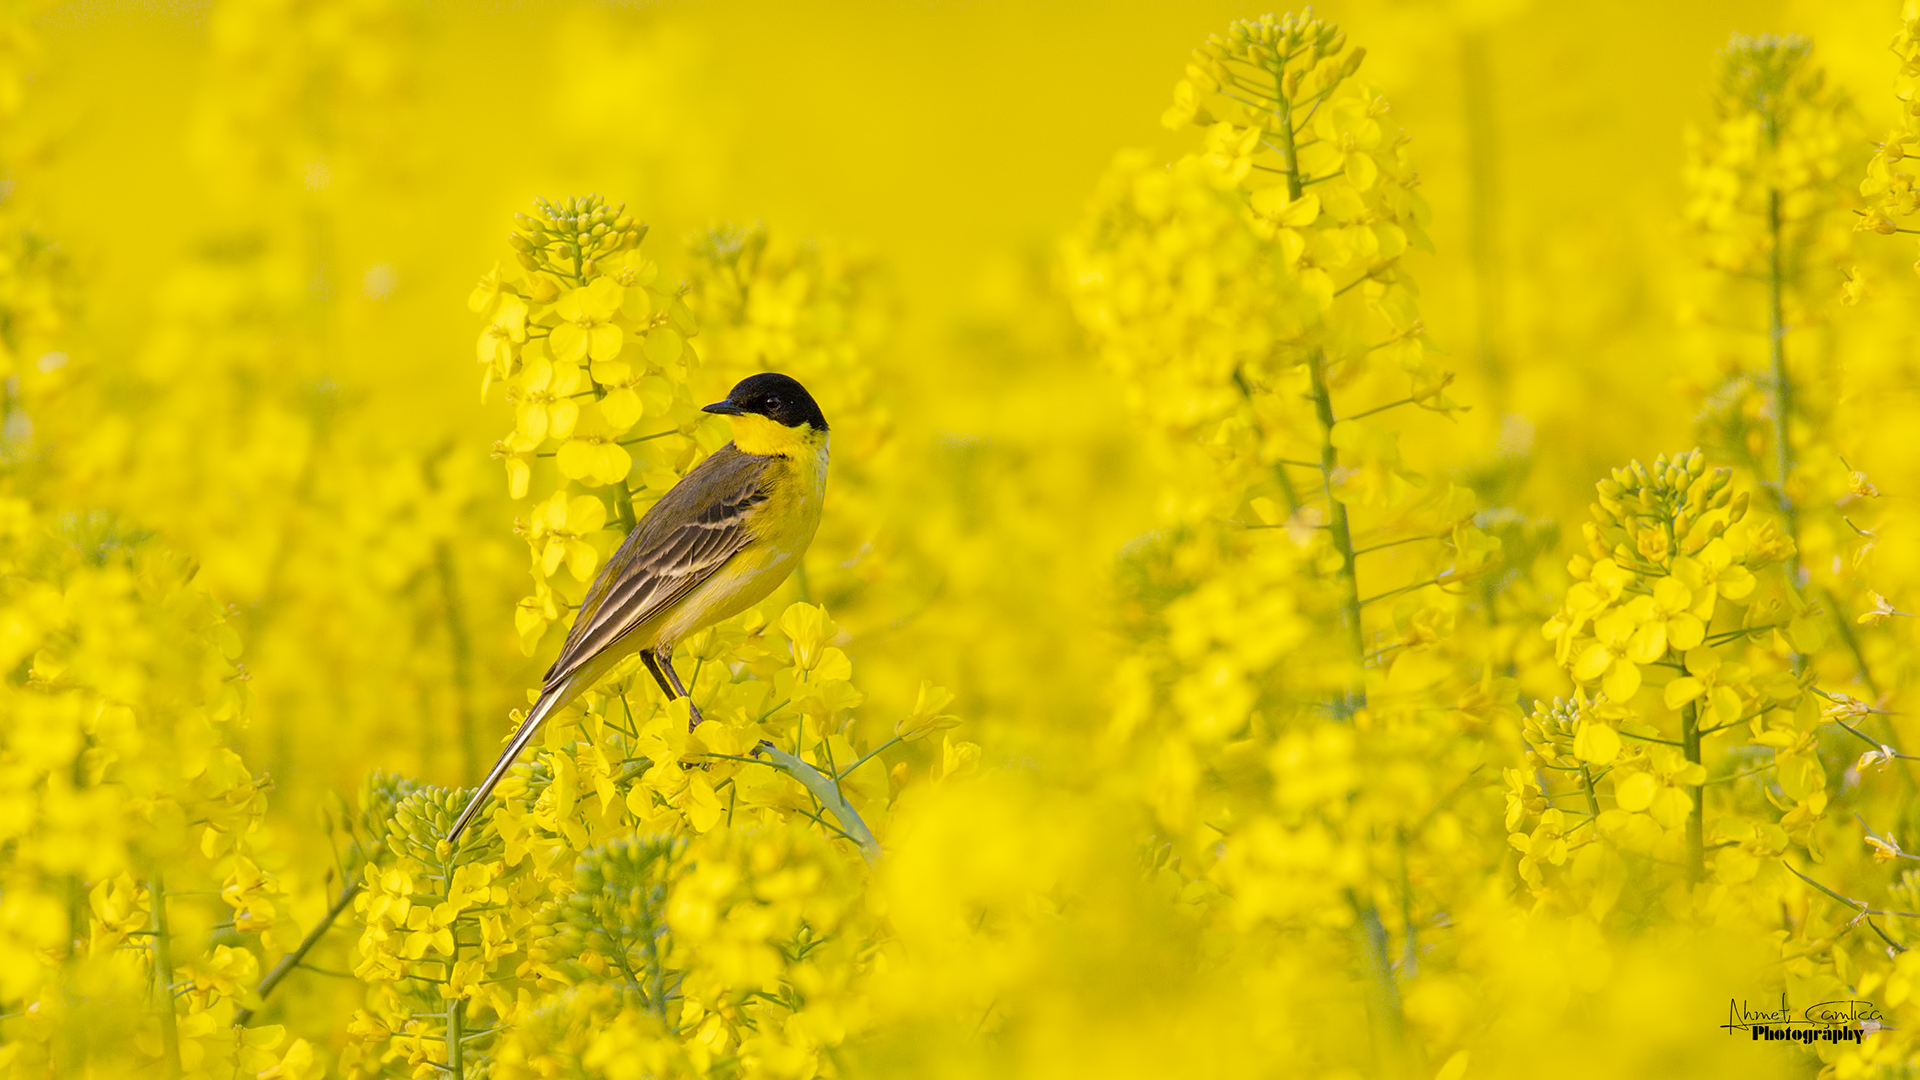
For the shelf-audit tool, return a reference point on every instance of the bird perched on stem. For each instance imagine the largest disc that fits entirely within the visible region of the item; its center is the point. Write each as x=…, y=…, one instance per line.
x=714, y=545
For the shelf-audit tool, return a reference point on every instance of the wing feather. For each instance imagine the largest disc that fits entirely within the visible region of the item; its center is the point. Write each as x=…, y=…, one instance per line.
x=689, y=534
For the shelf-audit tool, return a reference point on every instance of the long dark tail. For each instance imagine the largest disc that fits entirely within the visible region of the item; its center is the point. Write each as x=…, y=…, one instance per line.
x=550, y=699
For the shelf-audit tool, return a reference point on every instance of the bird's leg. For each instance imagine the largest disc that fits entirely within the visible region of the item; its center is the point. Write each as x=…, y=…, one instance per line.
x=660, y=662
x=653, y=668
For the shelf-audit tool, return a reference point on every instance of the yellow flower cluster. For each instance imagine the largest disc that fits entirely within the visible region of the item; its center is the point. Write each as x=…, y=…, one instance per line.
x=436, y=926
x=475, y=938
x=589, y=342
x=723, y=938
x=1234, y=259
x=1888, y=188
x=1760, y=179
x=642, y=898
x=351, y=547
x=132, y=831
x=136, y=895
x=1666, y=598
x=1288, y=714
x=1765, y=209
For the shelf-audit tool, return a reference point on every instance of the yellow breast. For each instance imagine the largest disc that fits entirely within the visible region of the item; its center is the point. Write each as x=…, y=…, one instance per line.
x=783, y=525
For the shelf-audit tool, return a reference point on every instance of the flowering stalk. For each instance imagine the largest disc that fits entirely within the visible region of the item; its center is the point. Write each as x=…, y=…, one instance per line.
x=286, y=964
x=1274, y=59
x=1384, y=993
x=1889, y=188
x=1781, y=382
x=1338, y=529
x=1764, y=98
x=1671, y=551
x=432, y=934
x=163, y=989
x=589, y=344
x=1241, y=295
x=1763, y=177
x=1324, y=186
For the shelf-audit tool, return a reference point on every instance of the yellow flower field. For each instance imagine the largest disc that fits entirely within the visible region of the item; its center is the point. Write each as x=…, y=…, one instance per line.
x=1378, y=541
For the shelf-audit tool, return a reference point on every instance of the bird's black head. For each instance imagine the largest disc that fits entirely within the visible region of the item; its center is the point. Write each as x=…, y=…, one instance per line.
x=774, y=396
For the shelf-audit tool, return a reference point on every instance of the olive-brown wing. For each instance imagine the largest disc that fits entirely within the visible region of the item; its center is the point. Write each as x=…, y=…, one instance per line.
x=688, y=535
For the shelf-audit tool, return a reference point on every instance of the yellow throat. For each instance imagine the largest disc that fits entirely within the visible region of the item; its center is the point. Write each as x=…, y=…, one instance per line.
x=759, y=435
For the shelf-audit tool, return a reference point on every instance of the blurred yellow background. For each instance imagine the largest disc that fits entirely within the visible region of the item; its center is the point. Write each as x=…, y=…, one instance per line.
x=948, y=139
x=953, y=143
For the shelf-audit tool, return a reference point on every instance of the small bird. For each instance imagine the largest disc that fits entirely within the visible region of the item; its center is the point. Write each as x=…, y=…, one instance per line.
x=714, y=545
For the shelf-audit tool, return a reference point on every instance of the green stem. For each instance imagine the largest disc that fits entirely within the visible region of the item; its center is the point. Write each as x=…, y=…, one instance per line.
x=827, y=825
x=163, y=973
x=293, y=959
x=1289, y=152
x=76, y=885
x=1782, y=386
x=1355, y=698
x=1856, y=905
x=619, y=950
x=866, y=757
x=823, y=789
x=456, y=1022
x=623, y=507
x=1410, y=948
x=656, y=987
x=1363, y=414
x=1280, y=477
x=1383, y=993
x=1696, y=823
x=1338, y=527
x=456, y=1015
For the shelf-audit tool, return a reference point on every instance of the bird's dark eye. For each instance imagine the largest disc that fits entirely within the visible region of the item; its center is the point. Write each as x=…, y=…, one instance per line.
x=773, y=404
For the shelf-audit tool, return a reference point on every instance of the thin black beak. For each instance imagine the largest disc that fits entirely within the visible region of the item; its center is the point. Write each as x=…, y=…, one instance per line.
x=724, y=408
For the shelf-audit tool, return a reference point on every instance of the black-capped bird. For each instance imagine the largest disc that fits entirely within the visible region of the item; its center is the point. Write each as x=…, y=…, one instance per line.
x=716, y=544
